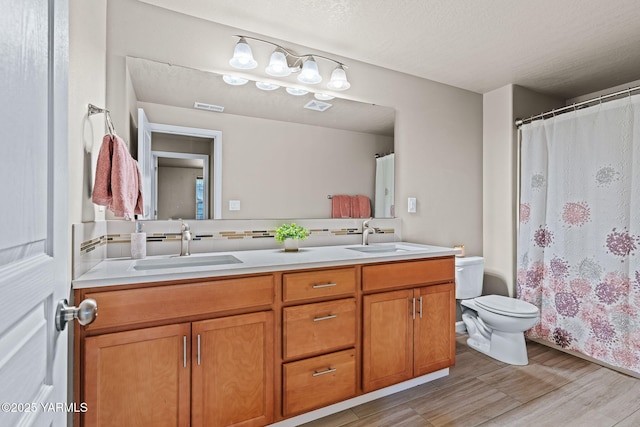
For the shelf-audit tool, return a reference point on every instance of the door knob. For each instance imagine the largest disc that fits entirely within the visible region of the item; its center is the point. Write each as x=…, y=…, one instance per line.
x=85, y=312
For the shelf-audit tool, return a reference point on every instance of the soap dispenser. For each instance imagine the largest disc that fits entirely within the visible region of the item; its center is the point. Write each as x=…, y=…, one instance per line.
x=138, y=242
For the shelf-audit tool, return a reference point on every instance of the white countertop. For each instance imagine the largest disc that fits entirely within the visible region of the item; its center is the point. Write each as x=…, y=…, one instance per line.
x=120, y=271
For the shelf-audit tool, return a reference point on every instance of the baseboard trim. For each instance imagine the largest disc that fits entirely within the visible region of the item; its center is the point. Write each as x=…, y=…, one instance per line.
x=359, y=400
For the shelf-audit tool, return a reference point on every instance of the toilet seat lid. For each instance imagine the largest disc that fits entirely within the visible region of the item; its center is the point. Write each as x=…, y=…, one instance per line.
x=509, y=306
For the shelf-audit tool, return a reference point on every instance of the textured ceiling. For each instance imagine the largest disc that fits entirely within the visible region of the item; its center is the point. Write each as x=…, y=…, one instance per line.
x=561, y=47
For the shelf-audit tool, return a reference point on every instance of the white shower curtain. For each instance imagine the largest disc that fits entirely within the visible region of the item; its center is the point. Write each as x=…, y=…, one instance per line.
x=385, y=170
x=579, y=230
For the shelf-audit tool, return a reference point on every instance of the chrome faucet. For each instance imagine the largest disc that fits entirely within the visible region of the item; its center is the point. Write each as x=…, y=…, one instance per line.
x=185, y=237
x=366, y=230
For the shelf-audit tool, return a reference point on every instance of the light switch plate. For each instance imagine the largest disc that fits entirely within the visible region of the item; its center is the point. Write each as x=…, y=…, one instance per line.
x=234, y=205
x=412, y=205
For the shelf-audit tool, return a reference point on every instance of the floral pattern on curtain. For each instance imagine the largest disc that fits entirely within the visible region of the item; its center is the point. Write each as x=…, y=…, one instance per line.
x=579, y=230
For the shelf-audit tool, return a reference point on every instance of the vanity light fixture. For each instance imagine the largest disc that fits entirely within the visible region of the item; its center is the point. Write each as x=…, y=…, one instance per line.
x=339, y=79
x=310, y=73
x=283, y=62
x=278, y=66
x=242, y=56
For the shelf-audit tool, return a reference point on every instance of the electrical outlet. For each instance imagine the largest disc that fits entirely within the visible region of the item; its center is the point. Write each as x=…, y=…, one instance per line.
x=234, y=205
x=412, y=205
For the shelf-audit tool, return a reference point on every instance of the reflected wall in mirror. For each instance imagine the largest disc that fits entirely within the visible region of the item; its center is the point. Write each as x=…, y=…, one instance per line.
x=280, y=160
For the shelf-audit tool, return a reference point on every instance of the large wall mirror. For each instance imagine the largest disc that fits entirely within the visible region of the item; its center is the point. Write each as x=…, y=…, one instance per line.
x=278, y=159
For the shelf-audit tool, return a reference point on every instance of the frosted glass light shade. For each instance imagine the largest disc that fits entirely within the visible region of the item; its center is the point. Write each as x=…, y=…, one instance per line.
x=278, y=66
x=267, y=86
x=295, y=91
x=338, y=79
x=234, y=80
x=323, y=97
x=309, y=73
x=242, y=56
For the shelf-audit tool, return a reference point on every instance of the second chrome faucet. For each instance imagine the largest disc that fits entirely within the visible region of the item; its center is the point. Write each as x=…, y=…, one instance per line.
x=185, y=238
x=366, y=230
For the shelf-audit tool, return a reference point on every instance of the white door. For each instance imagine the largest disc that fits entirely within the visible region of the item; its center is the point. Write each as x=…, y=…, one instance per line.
x=34, y=230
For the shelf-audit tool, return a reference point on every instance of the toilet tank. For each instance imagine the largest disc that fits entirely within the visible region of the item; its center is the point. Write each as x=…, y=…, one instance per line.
x=469, y=276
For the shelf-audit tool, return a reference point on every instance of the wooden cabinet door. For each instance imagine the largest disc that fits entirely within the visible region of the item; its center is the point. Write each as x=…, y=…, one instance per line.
x=233, y=370
x=387, y=339
x=434, y=328
x=138, y=378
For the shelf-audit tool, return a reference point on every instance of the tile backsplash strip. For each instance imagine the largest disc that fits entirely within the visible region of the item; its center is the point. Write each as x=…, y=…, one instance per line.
x=96, y=241
x=89, y=246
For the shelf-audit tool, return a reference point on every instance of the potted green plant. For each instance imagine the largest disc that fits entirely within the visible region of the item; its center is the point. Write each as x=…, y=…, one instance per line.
x=290, y=234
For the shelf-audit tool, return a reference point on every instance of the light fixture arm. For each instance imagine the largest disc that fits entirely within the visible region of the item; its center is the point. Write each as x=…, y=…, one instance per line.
x=287, y=52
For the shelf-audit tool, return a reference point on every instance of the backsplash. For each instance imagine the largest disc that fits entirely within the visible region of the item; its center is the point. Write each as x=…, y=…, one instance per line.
x=96, y=241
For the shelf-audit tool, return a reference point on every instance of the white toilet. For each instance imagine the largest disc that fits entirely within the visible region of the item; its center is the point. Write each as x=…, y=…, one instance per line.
x=495, y=323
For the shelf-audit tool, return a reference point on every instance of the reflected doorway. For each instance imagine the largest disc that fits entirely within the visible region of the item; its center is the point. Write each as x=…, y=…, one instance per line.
x=179, y=142
x=182, y=189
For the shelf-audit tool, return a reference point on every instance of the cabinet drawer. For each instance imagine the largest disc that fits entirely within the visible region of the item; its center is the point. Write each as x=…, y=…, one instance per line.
x=315, y=328
x=133, y=307
x=403, y=274
x=316, y=284
x=319, y=381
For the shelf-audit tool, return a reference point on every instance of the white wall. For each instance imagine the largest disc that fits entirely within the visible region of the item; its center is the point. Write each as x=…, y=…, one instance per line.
x=87, y=84
x=500, y=171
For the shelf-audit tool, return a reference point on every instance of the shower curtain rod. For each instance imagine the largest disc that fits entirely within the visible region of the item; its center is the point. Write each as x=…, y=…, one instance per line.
x=520, y=122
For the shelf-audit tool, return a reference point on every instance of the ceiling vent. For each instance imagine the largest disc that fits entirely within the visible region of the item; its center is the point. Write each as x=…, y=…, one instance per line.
x=317, y=106
x=208, y=107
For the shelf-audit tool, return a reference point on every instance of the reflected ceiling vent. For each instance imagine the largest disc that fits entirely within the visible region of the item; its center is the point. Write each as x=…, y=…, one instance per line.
x=318, y=105
x=208, y=107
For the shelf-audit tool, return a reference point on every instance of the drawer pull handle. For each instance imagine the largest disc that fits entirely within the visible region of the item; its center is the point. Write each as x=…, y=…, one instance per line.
x=324, y=285
x=331, y=316
x=326, y=371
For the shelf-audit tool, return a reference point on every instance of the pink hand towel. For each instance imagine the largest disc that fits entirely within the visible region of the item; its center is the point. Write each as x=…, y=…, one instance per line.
x=360, y=207
x=117, y=184
x=341, y=206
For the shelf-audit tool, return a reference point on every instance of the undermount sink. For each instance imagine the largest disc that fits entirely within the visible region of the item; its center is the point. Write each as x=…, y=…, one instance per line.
x=383, y=248
x=185, y=261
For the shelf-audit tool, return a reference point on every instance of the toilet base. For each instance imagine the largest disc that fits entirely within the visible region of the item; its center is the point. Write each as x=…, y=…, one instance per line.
x=507, y=347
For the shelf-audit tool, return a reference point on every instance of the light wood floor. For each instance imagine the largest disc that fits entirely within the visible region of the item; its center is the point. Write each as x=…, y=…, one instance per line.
x=555, y=389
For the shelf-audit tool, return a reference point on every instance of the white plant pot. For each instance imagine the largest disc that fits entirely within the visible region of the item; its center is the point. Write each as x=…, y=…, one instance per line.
x=291, y=245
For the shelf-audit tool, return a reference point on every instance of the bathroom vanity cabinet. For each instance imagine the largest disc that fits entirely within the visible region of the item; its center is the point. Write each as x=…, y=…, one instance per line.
x=319, y=338
x=254, y=349
x=186, y=371
x=410, y=331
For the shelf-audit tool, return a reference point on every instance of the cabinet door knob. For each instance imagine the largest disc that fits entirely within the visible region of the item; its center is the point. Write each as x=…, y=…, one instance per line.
x=85, y=312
